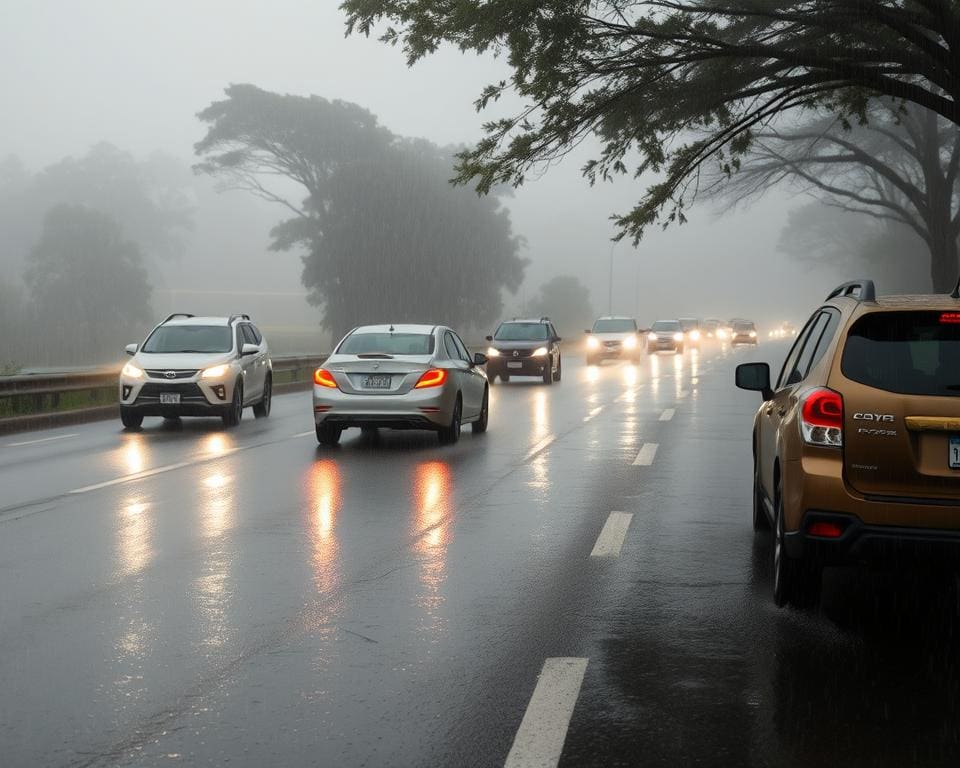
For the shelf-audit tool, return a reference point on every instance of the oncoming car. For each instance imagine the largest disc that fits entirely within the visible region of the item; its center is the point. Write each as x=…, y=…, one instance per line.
x=525, y=348
x=400, y=377
x=197, y=366
x=691, y=331
x=613, y=338
x=665, y=336
x=743, y=332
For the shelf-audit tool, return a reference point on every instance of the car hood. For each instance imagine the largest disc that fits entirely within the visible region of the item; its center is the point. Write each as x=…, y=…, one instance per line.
x=181, y=360
x=506, y=346
x=613, y=336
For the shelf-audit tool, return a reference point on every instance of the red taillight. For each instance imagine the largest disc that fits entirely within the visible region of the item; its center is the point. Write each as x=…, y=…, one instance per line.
x=822, y=418
x=826, y=530
x=432, y=378
x=324, y=378
x=950, y=318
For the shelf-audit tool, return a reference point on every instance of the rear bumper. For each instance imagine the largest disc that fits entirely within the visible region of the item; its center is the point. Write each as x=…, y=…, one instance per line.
x=418, y=409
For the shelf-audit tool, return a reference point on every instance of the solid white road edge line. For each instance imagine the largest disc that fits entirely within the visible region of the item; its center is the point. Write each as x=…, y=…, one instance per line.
x=610, y=541
x=304, y=434
x=646, y=455
x=539, y=740
x=542, y=445
x=41, y=440
x=595, y=412
x=667, y=414
x=131, y=478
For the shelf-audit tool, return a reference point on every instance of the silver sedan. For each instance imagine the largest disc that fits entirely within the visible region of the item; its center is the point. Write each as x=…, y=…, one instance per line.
x=400, y=377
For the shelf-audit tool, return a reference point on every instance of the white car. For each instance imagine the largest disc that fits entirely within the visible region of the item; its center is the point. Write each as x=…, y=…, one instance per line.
x=401, y=377
x=613, y=337
x=197, y=366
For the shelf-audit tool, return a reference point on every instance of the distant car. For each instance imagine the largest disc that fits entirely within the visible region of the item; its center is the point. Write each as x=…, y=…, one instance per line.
x=710, y=328
x=665, y=336
x=400, y=377
x=525, y=348
x=197, y=366
x=691, y=331
x=743, y=332
x=613, y=338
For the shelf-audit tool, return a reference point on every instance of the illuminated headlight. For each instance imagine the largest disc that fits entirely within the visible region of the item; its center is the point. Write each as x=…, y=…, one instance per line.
x=678, y=337
x=592, y=342
x=721, y=334
x=753, y=334
x=695, y=335
x=652, y=337
x=131, y=371
x=540, y=352
x=491, y=352
x=215, y=373
x=630, y=342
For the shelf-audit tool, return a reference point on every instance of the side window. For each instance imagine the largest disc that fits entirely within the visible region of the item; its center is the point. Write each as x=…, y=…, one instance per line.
x=256, y=334
x=825, y=338
x=451, y=346
x=462, y=349
x=248, y=337
x=795, y=351
x=799, y=372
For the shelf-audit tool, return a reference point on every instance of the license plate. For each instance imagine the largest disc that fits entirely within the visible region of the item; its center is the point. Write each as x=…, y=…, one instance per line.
x=169, y=398
x=514, y=365
x=955, y=453
x=377, y=382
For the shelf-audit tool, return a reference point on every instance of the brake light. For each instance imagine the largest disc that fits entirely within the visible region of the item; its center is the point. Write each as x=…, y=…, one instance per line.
x=822, y=418
x=950, y=318
x=323, y=378
x=432, y=378
x=826, y=530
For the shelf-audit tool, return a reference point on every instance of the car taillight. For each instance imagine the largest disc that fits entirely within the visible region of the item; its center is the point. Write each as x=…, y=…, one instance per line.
x=432, y=378
x=950, y=318
x=324, y=378
x=825, y=530
x=822, y=418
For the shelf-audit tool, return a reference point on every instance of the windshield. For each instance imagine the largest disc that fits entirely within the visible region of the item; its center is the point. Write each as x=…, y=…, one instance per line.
x=615, y=325
x=911, y=353
x=689, y=323
x=387, y=344
x=666, y=325
x=171, y=339
x=521, y=332
x=743, y=326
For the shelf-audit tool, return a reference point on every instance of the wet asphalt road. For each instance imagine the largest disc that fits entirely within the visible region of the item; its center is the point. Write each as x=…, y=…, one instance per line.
x=189, y=596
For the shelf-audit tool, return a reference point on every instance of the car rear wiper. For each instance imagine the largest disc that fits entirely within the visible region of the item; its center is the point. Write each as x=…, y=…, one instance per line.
x=375, y=356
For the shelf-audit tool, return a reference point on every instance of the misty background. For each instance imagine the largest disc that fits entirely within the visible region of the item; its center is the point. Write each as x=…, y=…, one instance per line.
x=108, y=90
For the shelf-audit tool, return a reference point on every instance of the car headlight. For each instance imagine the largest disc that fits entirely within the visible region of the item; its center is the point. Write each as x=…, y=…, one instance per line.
x=630, y=342
x=491, y=352
x=540, y=352
x=592, y=342
x=215, y=372
x=678, y=336
x=132, y=372
x=753, y=334
x=652, y=337
x=695, y=335
x=721, y=334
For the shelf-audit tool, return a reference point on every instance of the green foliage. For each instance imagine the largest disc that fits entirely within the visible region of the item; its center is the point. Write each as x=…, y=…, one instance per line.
x=566, y=301
x=385, y=236
x=668, y=85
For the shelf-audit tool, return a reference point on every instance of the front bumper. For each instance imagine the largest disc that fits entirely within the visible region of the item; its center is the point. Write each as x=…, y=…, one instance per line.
x=743, y=340
x=197, y=397
x=518, y=366
x=429, y=408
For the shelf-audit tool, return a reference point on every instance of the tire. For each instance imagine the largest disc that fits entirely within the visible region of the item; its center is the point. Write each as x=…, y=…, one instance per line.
x=451, y=434
x=491, y=378
x=505, y=378
x=480, y=425
x=548, y=374
x=559, y=374
x=234, y=414
x=262, y=409
x=795, y=582
x=130, y=418
x=328, y=434
x=760, y=520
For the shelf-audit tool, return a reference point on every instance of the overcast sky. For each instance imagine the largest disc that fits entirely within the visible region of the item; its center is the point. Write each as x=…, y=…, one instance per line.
x=136, y=73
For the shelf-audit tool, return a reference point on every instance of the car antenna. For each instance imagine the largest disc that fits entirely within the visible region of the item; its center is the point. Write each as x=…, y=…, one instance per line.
x=956, y=291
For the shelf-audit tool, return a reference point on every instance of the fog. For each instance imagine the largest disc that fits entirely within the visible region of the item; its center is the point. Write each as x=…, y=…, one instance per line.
x=135, y=75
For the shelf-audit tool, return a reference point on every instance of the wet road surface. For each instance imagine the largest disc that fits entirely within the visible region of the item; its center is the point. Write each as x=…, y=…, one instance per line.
x=579, y=586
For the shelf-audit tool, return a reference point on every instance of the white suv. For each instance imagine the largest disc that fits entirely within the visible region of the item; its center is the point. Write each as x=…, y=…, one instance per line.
x=197, y=366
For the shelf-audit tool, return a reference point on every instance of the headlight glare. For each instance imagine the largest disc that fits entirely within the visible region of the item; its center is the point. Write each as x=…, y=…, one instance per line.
x=493, y=352
x=540, y=352
x=132, y=372
x=215, y=372
x=630, y=342
x=592, y=342
x=678, y=337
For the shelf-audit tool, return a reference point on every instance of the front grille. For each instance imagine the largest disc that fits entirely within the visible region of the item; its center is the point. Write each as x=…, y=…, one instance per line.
x=161, y=373
x=611, y=344
x=514, y=354
x=189, y=393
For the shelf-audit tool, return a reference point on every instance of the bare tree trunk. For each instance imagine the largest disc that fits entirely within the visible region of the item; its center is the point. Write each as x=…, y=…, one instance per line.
x=944, y=265
x=941, y=234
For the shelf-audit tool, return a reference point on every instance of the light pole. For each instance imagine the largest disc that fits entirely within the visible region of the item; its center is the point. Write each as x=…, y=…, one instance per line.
x=610, y=286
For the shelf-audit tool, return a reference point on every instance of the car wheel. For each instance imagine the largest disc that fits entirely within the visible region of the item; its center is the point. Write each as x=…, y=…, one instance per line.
x=451, y=434
x=505, y=378
x=794, y=581
x=491, y=378
x=262, y=409
x=328, y=434
x=234, y=413
x=130, y=418
x=760, y=520
x=548, y=373
x=480, y=425
x=559, y=374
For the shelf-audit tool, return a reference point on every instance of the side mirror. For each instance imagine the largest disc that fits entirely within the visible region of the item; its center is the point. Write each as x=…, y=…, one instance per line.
x=557, y=339
x=756, y=378
x=479, y=358
x=588, y=331
x=488, y=338
x=249, y=349
x=131, y=349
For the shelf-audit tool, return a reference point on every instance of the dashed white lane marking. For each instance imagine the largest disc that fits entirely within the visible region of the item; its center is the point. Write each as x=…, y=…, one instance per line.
x=131, y=478
x=595, y=412
x=542, y=445
x=41, y=440
x=304, y=434
x=647, y=453
x=667, y=414
x=610, y=541
x=539, y=740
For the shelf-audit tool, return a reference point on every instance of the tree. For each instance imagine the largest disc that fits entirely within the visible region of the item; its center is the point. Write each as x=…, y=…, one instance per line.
x=385, y=237
x=679, y=82
x=901, y=165
x=567, y=302
x=88, y=286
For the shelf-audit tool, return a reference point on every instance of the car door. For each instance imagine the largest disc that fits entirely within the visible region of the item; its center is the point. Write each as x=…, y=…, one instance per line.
x=460, y=370
x=252, y=365
x=475, y=379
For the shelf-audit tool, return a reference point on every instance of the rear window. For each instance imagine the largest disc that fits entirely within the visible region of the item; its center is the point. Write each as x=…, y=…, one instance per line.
x=614, y=326
x=911, y=353
x=169, y=339
x=521, y=332
x=387, y=344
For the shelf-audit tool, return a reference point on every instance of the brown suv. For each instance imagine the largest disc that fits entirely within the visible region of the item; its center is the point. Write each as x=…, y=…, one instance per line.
x=857, y=445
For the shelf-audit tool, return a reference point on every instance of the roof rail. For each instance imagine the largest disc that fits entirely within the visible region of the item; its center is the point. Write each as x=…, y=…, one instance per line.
x=237, y=317
x=544, y=319
x=176, y=314
x=861, y=290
